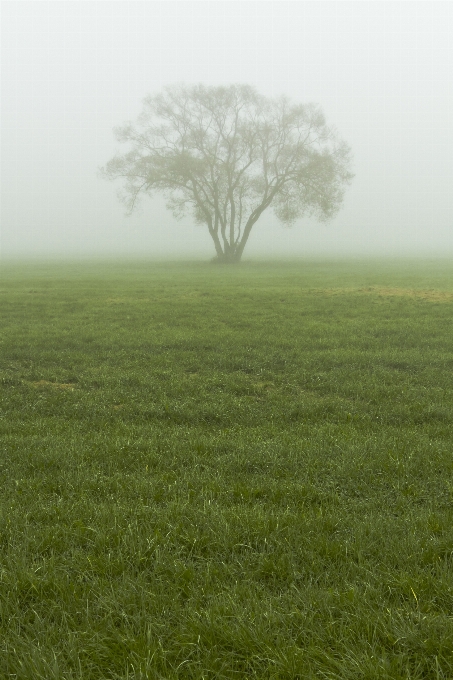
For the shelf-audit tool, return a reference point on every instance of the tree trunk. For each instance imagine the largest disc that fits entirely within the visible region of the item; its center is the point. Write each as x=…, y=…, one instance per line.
x=225, y=254
x=217, y=244
x=228, y=258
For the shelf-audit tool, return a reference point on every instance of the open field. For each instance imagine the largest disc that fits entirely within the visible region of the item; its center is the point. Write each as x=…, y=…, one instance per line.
x=226, y=472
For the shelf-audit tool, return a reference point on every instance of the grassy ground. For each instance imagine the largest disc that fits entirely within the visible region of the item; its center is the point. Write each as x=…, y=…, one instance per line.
x=226, y=472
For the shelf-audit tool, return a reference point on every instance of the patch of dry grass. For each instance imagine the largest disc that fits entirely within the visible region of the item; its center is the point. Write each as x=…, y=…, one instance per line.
x=390, y=292
x=53, y=385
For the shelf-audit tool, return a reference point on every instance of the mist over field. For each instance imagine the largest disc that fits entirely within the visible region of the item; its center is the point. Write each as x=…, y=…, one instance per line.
x=72, y=71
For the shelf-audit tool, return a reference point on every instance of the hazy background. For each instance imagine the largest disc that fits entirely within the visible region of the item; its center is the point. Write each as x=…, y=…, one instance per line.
x=71, y=71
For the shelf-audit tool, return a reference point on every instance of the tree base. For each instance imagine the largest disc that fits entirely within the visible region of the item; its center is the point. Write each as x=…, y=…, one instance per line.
x=226, y=259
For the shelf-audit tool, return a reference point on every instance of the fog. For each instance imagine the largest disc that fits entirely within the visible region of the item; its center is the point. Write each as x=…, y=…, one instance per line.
x=71, y=71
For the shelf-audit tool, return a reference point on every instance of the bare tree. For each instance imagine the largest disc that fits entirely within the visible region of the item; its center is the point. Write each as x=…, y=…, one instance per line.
x=225, y=154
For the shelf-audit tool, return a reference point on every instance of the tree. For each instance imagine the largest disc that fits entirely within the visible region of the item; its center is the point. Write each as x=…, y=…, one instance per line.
x=225, y=154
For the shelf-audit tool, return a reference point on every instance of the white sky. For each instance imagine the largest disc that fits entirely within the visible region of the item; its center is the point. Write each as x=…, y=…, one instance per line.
x=72, y=70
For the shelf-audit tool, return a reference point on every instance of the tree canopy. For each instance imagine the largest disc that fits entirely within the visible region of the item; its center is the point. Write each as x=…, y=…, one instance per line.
x=226, y=154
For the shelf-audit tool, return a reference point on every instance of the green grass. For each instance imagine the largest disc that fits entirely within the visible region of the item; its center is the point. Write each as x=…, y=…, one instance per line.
x=226, y=472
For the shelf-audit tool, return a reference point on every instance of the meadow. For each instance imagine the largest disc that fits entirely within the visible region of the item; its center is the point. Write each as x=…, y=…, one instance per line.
x=226, y=472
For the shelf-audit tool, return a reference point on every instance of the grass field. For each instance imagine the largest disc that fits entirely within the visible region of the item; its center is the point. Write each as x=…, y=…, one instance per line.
x=226, y=472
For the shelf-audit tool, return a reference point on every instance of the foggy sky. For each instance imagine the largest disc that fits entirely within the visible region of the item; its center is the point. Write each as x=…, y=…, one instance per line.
x=71, y=71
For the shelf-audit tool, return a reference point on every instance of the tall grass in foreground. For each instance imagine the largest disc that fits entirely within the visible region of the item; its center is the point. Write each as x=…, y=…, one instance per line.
x=213, y=472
